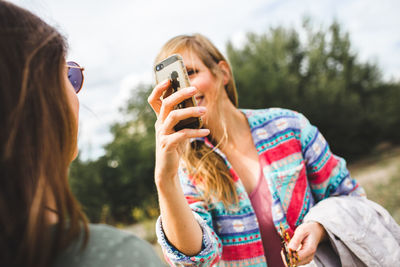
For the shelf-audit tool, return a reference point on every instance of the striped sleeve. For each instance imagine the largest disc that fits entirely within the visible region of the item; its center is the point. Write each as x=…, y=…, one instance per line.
x=211, y=246
x=326, y=172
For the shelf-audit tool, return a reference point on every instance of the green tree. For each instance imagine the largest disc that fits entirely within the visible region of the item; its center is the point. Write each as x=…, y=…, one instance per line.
x=122, y=179
x=130, y=158
x=87, y=184
x=321, y=77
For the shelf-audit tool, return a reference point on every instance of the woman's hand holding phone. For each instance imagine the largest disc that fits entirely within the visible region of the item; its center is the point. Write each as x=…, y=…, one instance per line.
x=169, y=143
x=178, y=119
x=179, y=224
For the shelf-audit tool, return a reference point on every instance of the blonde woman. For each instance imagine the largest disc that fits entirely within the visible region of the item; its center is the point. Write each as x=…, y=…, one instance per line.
x=225, y=189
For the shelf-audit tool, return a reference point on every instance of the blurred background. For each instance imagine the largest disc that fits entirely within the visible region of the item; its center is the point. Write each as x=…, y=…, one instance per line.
x=337, y=62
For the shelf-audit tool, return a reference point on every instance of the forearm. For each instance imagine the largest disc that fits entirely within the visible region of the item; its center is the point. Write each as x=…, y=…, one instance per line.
x=178, y=222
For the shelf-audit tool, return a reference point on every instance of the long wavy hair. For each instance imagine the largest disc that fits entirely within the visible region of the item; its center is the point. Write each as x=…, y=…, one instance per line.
x=205, y=167
x=37, y=140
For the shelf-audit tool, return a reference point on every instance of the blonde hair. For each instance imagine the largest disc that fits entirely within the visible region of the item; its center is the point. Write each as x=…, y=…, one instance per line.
x=207, y=169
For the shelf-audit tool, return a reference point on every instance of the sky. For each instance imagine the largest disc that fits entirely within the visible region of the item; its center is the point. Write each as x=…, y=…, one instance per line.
x=117, y=41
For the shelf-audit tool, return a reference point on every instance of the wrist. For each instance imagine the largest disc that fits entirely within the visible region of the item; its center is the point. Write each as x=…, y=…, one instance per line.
x=321, y=231
x=318, y=230
x=166, y=183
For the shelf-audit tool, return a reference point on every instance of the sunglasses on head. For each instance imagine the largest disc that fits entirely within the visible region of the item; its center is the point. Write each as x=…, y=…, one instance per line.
x=75, y=75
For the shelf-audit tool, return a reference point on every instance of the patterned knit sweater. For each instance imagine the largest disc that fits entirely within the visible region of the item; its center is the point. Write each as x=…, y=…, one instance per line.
x=300, y=170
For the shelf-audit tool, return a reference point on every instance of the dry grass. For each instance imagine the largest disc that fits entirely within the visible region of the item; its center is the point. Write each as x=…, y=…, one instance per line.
x=380, y=177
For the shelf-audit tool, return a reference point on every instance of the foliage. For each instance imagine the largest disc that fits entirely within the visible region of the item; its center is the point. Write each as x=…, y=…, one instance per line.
x=122, y=179
x=319, y=75
x=86, y=183
x=322, y=78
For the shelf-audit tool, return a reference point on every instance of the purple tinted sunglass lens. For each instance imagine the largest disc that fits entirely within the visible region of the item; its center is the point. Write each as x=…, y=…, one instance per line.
x=75, y=75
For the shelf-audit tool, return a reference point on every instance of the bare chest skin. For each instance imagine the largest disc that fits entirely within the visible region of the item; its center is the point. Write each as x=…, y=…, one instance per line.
x=245, y=162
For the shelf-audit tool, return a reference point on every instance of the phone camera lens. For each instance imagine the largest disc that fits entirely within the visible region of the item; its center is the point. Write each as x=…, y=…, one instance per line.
x=159, y=67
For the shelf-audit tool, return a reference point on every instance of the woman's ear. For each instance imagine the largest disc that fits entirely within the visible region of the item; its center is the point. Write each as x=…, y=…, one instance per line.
x=226, y=71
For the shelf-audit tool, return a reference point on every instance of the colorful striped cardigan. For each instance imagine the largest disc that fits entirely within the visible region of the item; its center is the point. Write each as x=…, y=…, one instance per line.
x=300, y=170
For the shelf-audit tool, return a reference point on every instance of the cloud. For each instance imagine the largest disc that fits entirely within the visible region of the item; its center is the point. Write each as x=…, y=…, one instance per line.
x=117, y=41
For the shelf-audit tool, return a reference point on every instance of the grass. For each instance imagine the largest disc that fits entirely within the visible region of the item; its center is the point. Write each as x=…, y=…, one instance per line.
x=379, y=174
x=387, y=194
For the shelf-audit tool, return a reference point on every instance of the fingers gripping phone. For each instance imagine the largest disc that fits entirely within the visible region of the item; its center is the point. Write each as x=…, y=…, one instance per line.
x=172, y=68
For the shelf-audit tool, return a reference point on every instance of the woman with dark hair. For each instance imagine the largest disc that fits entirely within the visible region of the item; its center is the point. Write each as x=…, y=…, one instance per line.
x=41, y=223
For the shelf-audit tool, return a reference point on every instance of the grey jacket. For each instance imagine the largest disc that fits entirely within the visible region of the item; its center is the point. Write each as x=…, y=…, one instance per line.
x=361, y=233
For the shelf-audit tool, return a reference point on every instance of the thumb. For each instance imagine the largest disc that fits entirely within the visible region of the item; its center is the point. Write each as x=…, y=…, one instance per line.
x=297, y=238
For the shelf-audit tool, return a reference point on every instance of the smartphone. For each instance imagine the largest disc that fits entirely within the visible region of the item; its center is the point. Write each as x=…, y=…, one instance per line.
x=172, y=68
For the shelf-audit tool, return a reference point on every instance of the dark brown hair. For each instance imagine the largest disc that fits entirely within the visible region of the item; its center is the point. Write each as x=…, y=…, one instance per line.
x=37, y=140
